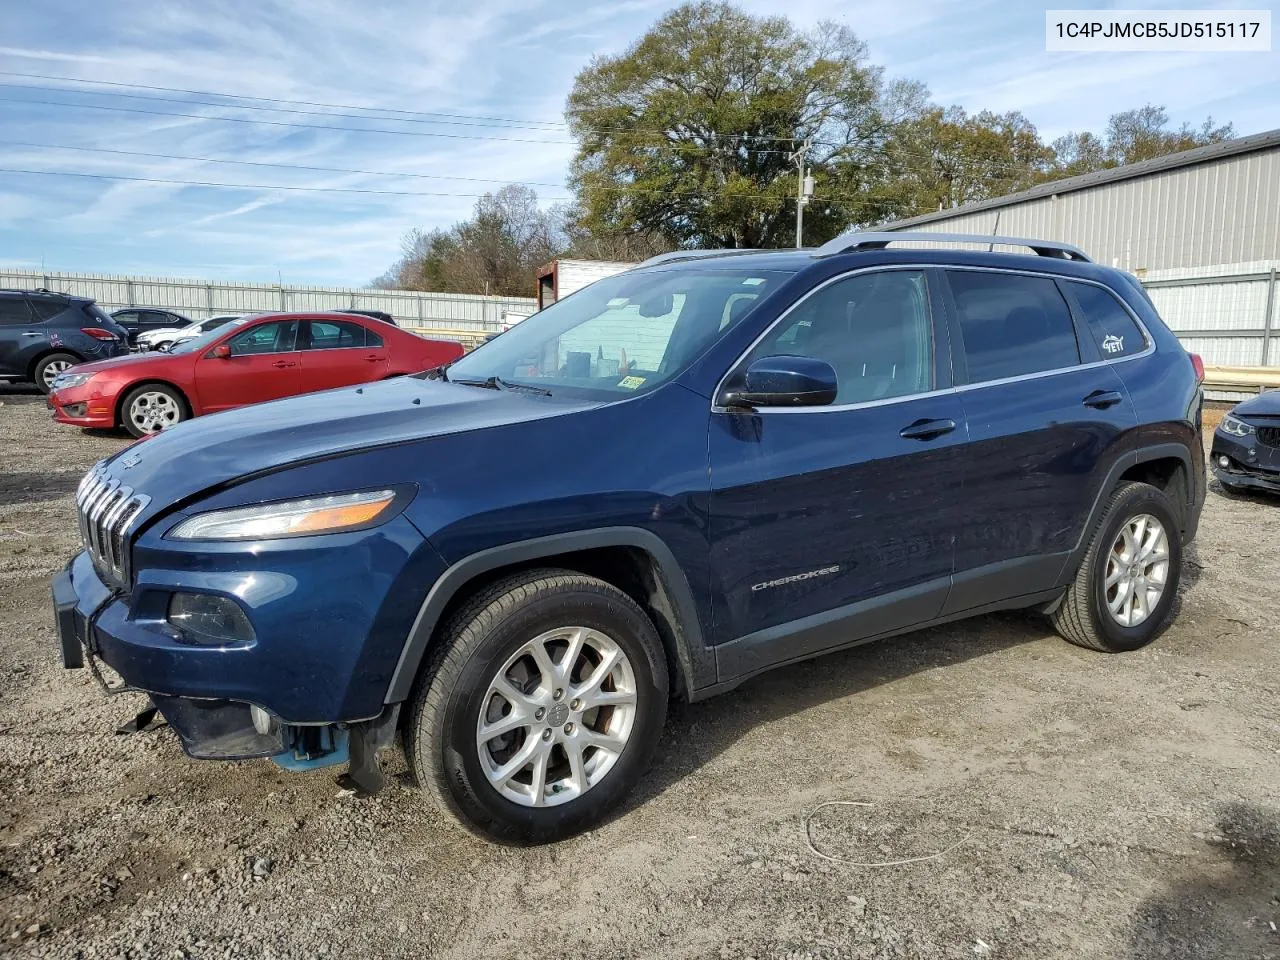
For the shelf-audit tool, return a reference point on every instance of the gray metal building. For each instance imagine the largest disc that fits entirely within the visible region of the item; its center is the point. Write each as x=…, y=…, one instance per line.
x=1200, y=228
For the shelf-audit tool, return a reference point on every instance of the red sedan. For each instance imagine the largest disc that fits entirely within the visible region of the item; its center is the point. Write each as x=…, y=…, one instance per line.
x=249, y=360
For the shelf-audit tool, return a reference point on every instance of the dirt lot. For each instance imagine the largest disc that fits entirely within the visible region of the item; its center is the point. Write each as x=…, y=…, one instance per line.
x=1092, y=805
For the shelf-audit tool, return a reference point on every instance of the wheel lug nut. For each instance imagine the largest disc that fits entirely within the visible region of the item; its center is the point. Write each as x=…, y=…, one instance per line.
x=546, y=734
x=575, y=704
x=539, y=713
x=568, y=728
x=557, y=695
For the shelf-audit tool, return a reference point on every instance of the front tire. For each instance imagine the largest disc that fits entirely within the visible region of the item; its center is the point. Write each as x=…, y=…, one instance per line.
x=540, y=708
x=1123, y=593
x=152, y=408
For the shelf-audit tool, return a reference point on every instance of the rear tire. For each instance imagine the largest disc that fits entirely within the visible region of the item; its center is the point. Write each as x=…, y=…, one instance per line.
x=1123, y=593
x=49, y=367
x=151, y=408
x=588, y=728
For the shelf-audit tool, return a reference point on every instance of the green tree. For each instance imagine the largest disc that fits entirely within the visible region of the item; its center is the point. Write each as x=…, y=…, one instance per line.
x=945, y=158
x=688, y=134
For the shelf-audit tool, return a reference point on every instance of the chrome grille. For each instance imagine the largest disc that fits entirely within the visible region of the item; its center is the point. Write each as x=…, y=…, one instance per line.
x=108, y=510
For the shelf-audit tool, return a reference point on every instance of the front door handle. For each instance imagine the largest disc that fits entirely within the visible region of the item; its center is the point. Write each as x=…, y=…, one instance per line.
x=32, y=333
x=926, y=429
x=279, y=364
x=1101, y=399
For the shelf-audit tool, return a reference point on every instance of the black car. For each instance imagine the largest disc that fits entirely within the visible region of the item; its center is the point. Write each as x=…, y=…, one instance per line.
x=136, y=320
x=375, y=314
x=43, y=333
x=1246, y=445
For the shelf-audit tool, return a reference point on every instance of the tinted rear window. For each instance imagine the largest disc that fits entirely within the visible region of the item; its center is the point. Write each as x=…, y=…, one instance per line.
x=1111, y=326
x=14, y=311
x=1012, y=325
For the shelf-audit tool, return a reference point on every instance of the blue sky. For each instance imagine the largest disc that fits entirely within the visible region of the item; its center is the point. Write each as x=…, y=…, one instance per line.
x=494, y=58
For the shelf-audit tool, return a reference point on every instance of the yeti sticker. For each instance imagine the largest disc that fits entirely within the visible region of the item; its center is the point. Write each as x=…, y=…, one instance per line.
x=1113, y=344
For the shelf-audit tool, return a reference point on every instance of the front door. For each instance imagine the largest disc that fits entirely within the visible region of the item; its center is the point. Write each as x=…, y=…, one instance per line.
x=1043, y=416
x=340, y=353
x=264, y=365
x=833, y=524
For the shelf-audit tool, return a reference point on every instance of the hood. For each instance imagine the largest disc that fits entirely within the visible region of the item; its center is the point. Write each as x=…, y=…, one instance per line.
x=1263, y=405
x=127, y=359
x=213, y=450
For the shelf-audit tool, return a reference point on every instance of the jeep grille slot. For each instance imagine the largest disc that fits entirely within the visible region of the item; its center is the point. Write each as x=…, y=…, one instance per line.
x=107, y=510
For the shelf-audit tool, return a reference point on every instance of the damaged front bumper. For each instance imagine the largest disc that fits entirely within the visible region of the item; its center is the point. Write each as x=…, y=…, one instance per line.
x=211, y=728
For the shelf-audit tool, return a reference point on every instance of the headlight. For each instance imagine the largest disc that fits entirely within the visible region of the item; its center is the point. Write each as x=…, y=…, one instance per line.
x=290, y=518
x=67, y=380
x=1236, y=428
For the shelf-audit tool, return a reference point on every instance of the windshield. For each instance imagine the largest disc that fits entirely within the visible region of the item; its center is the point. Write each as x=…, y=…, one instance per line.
x=621, y=335
x=206, y=338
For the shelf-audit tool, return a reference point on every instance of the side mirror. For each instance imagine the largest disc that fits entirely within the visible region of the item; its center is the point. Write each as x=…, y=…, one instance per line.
x=783, y=382
x=221, y=352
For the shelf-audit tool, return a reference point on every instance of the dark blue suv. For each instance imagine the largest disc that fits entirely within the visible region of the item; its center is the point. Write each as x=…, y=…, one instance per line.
x=43, y=333
x=683, y=475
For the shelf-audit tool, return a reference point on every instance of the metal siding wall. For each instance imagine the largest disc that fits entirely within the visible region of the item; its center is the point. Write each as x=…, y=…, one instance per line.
x=1217, y=212
x=198, y=299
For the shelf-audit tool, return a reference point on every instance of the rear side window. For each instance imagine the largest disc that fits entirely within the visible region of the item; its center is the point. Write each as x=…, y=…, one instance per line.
x=14, y=311
x=1012, y=325
x=46, y=309
x=335, y=335
x=1112, y=328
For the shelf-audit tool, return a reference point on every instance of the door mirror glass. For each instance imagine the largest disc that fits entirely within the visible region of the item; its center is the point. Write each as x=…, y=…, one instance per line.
x=783, y=381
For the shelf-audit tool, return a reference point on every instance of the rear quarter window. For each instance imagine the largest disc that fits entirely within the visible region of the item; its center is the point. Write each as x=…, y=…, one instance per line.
x=1112, y=327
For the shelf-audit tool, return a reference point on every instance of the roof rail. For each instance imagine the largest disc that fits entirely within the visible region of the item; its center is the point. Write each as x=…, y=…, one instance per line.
x=854, y=241
x=676, y=255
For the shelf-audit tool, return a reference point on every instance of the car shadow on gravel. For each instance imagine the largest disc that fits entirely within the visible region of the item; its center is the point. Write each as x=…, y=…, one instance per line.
x=1224, y=906
x=18, y=487
x=696, y=733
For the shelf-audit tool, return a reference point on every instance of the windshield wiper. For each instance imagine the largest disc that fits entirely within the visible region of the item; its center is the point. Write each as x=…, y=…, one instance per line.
x=497, y=383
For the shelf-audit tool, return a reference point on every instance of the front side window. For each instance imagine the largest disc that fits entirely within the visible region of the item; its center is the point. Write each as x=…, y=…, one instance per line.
x=873, y=328
x=1112, y=327
x=623, y=334
x=335, y=335
x=1012, y=325
x=277, y=337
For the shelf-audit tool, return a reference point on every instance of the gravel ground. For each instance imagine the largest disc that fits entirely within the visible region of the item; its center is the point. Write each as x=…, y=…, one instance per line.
x=1088, y=805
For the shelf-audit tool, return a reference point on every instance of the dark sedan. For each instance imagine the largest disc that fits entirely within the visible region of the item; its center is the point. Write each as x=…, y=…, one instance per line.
x=1246, y=445
x=136, y=320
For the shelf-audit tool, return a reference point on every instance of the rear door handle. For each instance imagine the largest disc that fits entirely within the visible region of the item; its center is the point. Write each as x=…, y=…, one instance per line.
x=1101, y=399
x=284, y=363
x=374, y=359
x=926, y=429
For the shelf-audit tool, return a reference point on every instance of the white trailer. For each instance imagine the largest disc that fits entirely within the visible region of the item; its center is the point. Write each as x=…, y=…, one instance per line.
x=559, y=278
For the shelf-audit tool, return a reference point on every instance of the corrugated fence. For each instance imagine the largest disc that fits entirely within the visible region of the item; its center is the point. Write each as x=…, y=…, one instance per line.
x=198, y=299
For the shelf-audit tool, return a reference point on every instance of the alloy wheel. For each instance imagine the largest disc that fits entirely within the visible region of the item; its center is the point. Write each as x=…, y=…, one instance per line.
x=154, y=411
x=52, y=369
x=556, y=717
x=1137, y=570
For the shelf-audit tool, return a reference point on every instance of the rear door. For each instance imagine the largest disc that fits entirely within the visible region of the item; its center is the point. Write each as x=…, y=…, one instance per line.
x=339, y=353
x=829, y=524
x=1044, y=419
x=264, y=365
x=19, y=335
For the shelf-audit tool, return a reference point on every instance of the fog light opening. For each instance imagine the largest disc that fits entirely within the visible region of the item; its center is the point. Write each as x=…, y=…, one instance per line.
x=1224, y=463
x=204, y=618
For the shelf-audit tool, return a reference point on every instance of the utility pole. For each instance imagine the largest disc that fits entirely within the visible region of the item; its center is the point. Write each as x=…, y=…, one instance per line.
x=804, y=188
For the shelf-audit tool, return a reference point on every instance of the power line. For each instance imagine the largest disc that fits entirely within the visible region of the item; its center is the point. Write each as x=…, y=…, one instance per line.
x=175, y=181
x=406, y=116
x=318, y=126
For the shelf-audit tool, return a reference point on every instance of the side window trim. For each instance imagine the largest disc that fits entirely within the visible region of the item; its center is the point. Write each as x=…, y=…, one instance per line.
x=1089, y=352
x=941, y=339
x=962, y=381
